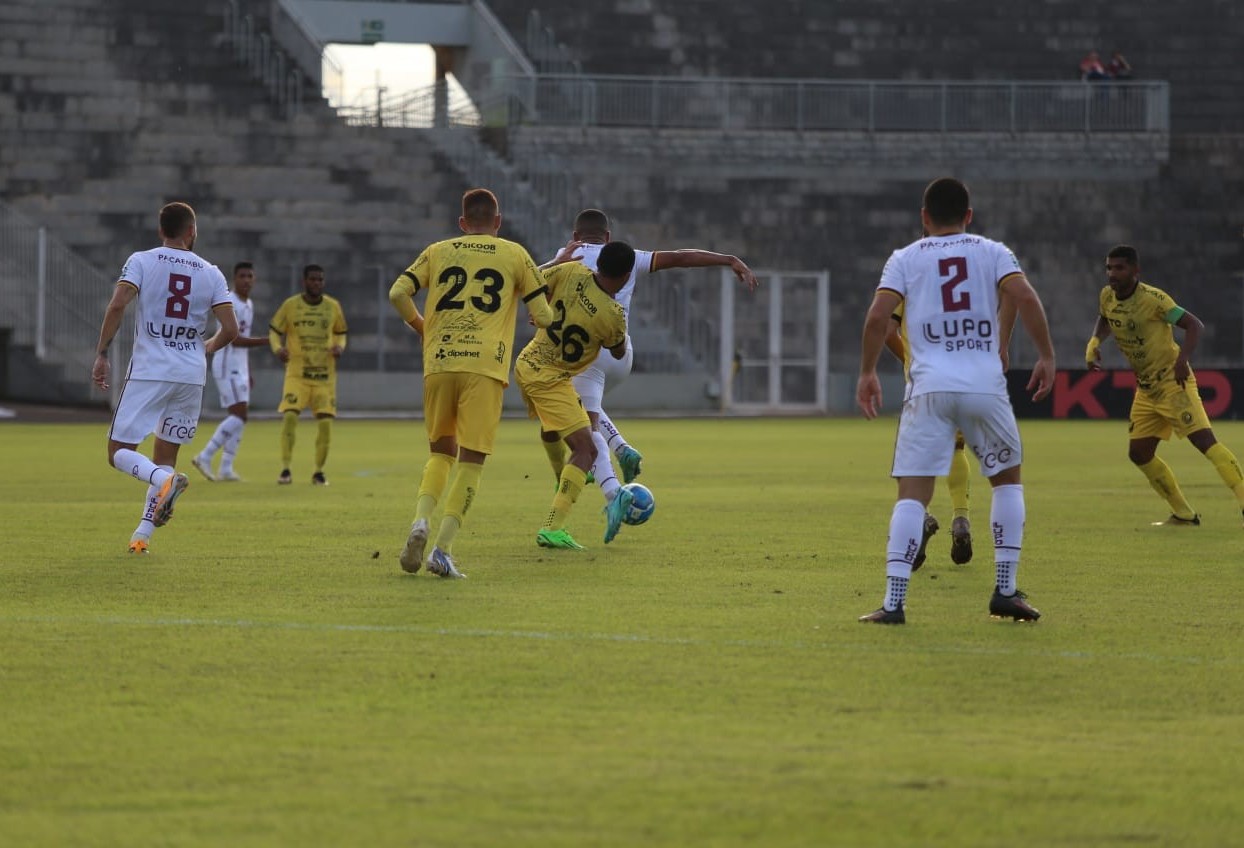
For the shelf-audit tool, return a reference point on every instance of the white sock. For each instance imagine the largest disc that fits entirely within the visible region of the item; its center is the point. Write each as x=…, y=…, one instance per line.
x=906, y=531
x=613, y=438
x=1006, y=516
x=136, y=465
x=602, y=469
x=146, y=527
x=233, y=438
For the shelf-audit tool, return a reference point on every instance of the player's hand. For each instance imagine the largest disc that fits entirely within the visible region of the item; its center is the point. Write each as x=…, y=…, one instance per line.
x=745, y=275
x=868, y=394
x=567, y=253
x=1042, y=379
x=336, y=351
x=1182, y=371
x=99, y=371
x=1094, y=364
x=283, y=354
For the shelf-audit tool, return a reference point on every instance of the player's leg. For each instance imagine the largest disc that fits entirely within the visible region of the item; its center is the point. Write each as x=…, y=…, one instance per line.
x=957, y=482
x=136, y=416
x=590, y=385
x=295, y=396
x=239, y=412
x=478, y=414
x=616, y=371
x=324, y=405
x=1149, y=426
x=560, y=410
x=555, y=449
x=440, y=421
x=922, y=451
x=989, y=429
x=1194, y=424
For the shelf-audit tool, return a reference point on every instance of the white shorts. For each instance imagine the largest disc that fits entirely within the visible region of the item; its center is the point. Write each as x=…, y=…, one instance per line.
x=234, y=386
x=926, y=433
x=603, y=376
x=169, y=410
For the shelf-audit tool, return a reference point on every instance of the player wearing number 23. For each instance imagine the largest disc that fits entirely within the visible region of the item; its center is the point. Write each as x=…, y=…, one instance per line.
x=473, y=283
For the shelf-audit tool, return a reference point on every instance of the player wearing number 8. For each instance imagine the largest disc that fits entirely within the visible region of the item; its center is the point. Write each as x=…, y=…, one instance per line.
x=587, y=318
x=474, y=282
x=163, y=390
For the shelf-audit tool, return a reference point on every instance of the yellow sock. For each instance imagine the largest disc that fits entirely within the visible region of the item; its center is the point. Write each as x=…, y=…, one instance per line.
x=461, y=495
x=1228, y=468
x=432, y=486
x=569, y=485
x=1162, y=479
x=323, y=437
x=557, y=455
x=957, y=482
x=289, y=434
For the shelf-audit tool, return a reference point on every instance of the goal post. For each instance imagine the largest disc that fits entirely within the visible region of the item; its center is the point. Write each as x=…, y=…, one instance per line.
x=775, y=343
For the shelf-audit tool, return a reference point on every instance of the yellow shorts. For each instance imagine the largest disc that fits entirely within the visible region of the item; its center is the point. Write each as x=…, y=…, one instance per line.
x=463, y=405
x=297, y=394
x=555, y=402
x=1167, y=408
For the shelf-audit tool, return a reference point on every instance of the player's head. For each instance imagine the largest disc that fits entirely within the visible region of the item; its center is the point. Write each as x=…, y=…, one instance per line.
x=614, y=265
x=1123, y=268
x=946, y=205
x=243, y=278
x=480, y=212
x=177, y=223
x=313, y=282
x=591, y=226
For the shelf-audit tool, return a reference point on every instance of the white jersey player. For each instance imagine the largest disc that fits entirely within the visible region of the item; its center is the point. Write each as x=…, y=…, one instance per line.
x=951, y=284
x=232, y=374
x=591, y=232
x=163, y=390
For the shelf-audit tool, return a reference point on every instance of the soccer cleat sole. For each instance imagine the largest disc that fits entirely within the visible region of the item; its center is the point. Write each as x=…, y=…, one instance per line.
x=169, y=493
x=1176, y=521
x=960, y=545
x=930, y=528
x=139, y=546
x=411, y=557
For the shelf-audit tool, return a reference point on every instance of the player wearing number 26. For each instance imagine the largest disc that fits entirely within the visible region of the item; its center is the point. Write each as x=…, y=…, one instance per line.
x=163, y=389
x=473, y=284
x=958, y=289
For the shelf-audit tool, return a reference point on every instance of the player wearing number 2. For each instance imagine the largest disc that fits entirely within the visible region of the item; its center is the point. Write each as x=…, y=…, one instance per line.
x=951, y=284
x=473, y=284
x=163, y=389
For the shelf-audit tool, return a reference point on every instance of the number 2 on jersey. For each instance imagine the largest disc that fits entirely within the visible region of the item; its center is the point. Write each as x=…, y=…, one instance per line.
x=178, y=303
x=456, y=277
x=571, y=338
x=954, y=270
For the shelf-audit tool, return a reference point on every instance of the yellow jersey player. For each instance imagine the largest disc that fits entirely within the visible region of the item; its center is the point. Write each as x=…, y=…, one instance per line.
x=473, y=283
x=1140, y=318
x=308, y=334
x=587, y=319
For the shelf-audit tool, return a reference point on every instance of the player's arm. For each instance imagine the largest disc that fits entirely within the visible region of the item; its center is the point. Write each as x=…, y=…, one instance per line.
x=337, y=339
x=894, y=340
x=692, y=258
x=1192, y=326
x=876, y=327
x=1092, y=353
x=566, y=254
x=402, y=299
x=1016, y=288
x=250, y=341
x=276, y=340
x=226, y=327
x=124, y=292
x=1007, y=315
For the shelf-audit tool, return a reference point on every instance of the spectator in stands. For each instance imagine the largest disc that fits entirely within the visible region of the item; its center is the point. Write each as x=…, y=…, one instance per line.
x=1091, y=68
x=1119, y=68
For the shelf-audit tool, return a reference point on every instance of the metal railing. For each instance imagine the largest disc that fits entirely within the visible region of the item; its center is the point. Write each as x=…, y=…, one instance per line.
x=266, y=62
x=805, y=105
x=53, y=300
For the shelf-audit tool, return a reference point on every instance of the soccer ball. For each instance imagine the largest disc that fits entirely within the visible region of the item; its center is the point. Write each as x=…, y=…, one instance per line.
x=642, y=504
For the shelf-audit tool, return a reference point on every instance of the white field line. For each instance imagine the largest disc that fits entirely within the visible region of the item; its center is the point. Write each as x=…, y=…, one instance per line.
x=619, y=638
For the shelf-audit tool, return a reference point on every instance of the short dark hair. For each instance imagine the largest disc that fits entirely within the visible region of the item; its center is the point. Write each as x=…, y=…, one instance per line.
x=1125, y=252
x=175, y=219
x=947, y=201
x=616, y=259
x=591, y=222
x=308, y=269
x=479, y=206
x=243, y=266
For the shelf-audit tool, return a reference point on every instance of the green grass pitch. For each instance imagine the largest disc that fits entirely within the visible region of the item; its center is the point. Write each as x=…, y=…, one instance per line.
x=269, y=676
